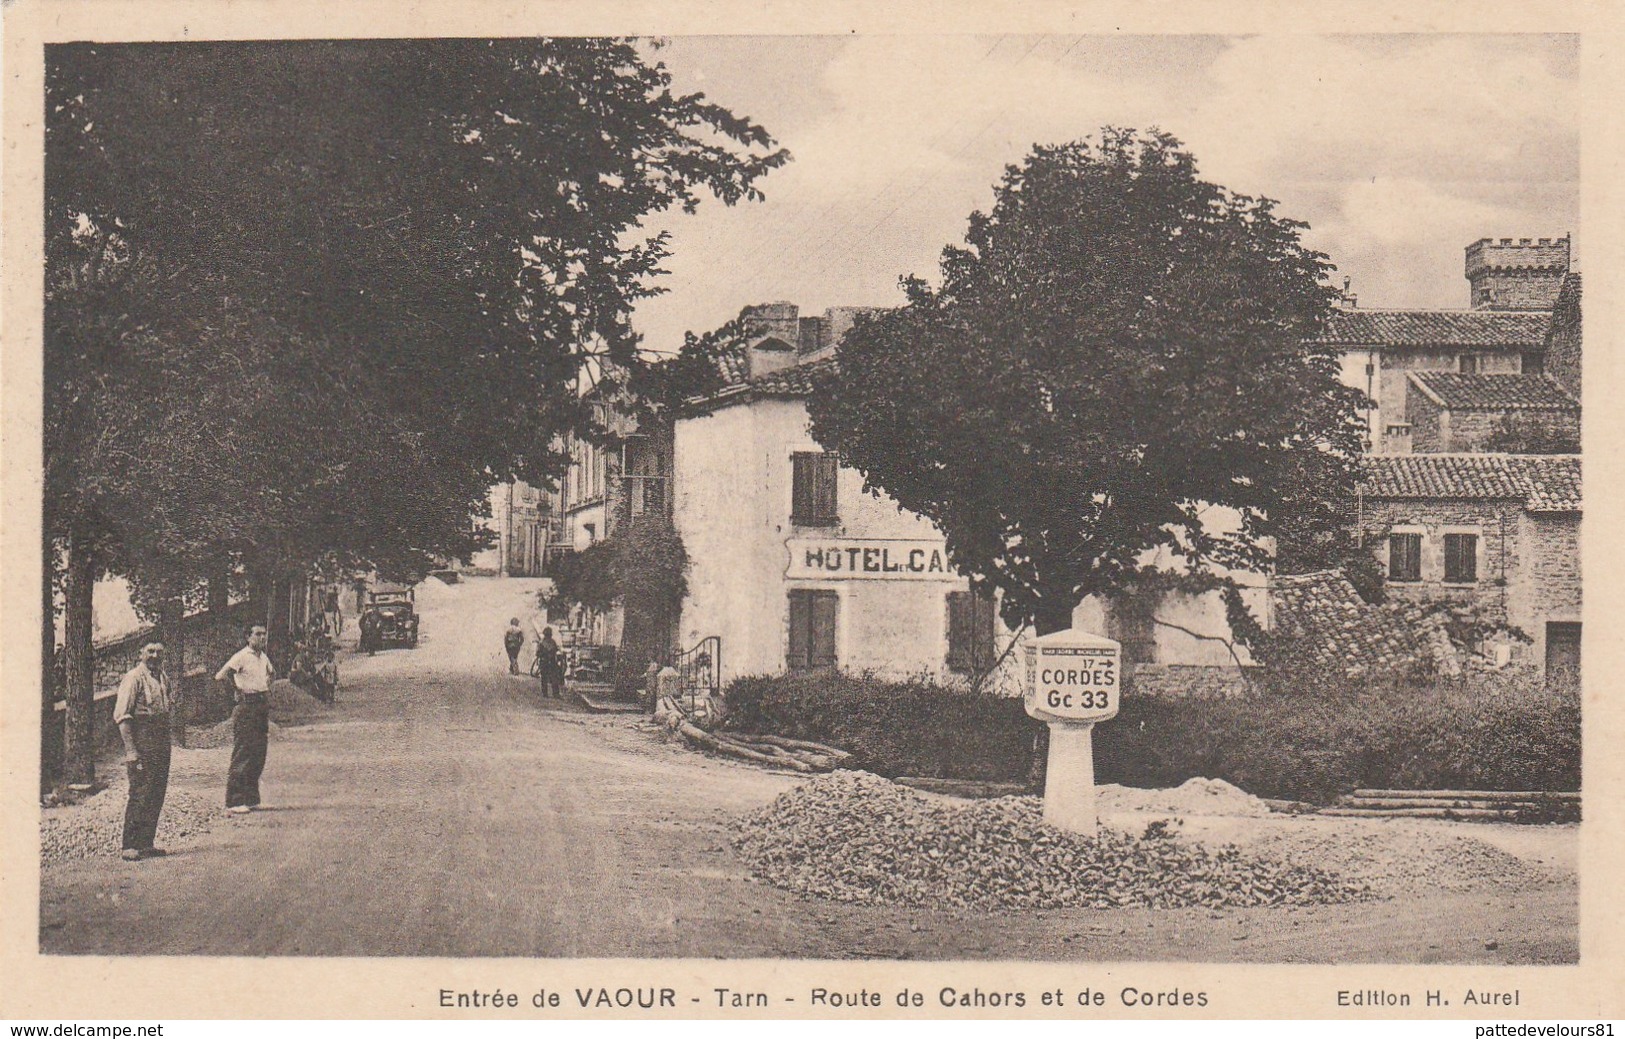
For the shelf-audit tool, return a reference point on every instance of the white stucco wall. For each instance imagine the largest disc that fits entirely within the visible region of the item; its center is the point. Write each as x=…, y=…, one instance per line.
x=733, y=479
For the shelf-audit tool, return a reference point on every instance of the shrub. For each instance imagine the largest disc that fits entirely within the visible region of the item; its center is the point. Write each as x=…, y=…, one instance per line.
x=894, y=728
x=1316, y=741
x=1302, y=740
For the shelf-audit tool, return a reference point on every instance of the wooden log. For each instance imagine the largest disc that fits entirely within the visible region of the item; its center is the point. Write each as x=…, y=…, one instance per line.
x=1442, y=802
x=1420, y=813
x=784, y=741
x=696, y=735
x=1479, y=795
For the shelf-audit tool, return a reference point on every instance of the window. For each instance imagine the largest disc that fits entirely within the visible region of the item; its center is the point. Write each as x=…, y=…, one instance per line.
x=1404, y=557
x=1460, y=558
x=812, y=491
x=970, y=632
x=812, y=628
x=1469, y=364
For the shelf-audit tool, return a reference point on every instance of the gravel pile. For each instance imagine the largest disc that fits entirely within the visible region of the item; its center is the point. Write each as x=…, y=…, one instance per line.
x=1397, y=859
x=95, y=827
x=1193, y=797
x=855, y=837
x=208, y=737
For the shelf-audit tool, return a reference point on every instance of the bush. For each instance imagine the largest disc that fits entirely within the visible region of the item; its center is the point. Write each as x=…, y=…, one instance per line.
x=1303, y=740
x=893, y=728
x=1316, y=741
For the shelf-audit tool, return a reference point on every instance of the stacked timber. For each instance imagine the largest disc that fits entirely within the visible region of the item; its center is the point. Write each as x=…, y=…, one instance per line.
x=772, y=751
x=1489, y=805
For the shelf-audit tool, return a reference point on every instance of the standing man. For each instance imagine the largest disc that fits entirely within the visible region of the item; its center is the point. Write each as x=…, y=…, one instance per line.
x=549, y=661
x=142, y=715
x=250, y=673
x=369, y=631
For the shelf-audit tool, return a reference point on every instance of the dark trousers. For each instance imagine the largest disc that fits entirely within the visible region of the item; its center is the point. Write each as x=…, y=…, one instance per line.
x=149, y=782
x=250, y=729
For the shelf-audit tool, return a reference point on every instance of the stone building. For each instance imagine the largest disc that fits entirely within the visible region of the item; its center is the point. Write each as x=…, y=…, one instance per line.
x=1469, y=413
x=1513, y=286
x=519, y=522
x=1563, y=337
x=1499, y=533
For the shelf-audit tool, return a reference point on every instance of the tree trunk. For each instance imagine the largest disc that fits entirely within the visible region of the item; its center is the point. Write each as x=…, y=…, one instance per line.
x=50, y=750
x=172, y=632
x=219, y=593
x=79, y=679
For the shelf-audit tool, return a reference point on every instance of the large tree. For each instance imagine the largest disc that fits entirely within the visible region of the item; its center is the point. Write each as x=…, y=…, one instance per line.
x=1119, y=352
x=327, y=293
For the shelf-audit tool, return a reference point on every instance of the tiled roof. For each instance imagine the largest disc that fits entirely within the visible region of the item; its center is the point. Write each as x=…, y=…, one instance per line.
x=798, y=380
x=1495, y=392
x=1544, y=483
x=734, y=364
x=1524, y=329
x=1319, y=619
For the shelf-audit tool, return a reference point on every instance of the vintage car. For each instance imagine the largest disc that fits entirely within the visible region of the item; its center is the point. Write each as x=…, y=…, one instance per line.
x=397, y=619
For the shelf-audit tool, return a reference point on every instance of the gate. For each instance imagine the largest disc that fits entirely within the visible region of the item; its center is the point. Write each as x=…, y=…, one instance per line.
x=700, y=670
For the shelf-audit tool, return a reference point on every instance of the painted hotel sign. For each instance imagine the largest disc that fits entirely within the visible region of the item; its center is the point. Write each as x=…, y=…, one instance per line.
x=873, y=559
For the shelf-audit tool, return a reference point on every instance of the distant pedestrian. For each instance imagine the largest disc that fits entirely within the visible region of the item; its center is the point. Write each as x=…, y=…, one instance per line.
x=250, y=672
x=513, y=640
x=141, y=712
x=333, y=616
x=370, y=623
x=550, y=665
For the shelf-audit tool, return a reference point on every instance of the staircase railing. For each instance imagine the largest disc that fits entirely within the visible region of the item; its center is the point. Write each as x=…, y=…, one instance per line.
x=700, y=670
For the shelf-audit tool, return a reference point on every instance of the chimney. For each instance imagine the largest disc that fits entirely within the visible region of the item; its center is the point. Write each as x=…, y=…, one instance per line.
x=775, y=330
x=1346, y=299
x=1516, y=274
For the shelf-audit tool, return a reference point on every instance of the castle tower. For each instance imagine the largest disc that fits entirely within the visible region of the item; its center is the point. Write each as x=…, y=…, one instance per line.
x=1516, y=274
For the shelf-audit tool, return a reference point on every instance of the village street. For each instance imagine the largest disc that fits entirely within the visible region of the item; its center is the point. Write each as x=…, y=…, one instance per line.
x=442, y=808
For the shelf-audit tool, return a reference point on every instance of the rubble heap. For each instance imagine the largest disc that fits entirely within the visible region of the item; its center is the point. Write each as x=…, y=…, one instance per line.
x=854, y=837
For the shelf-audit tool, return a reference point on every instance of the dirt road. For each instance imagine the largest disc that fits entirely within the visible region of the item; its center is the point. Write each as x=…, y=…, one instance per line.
x=441, y=808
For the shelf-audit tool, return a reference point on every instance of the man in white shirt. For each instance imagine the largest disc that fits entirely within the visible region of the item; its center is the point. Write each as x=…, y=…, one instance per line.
x=141, y=713
x=250, y=673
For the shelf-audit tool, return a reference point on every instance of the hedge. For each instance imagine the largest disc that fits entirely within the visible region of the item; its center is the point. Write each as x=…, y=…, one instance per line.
x=892, y=728
x=1317, y=741
x=1302, y=741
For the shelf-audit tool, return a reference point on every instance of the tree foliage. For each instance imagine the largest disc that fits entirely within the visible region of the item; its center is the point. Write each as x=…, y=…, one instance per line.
x=1118, y=354
x=307, y=301
x=439, y=238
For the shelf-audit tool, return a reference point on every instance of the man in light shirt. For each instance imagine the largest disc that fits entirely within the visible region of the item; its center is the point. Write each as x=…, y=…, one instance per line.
x=141, y=713
x=250, y=673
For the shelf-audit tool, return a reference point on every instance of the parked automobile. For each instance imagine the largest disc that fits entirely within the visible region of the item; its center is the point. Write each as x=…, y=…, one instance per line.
x=397, y=623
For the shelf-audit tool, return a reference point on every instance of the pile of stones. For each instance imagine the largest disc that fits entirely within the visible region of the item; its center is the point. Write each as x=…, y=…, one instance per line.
x=855, y=837
x=95, y=826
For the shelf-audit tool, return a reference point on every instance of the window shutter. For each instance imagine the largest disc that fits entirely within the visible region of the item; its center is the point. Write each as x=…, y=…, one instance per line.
x=824, y=489
x=801, y=487
x=821, y=651
x=982, y=632
x=1461, y=558
x=1405, y=557
x=800, y=629
x=970, y=631
x=959, y=632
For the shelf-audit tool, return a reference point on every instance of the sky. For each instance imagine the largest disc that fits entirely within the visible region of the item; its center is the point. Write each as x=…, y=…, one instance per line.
x=1397, y=151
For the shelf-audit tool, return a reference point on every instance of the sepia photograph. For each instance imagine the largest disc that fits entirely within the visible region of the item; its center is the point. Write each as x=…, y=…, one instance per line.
x=1053, y=498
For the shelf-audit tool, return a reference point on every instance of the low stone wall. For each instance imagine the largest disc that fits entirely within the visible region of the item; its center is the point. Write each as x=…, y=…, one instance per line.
x=210, y=640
